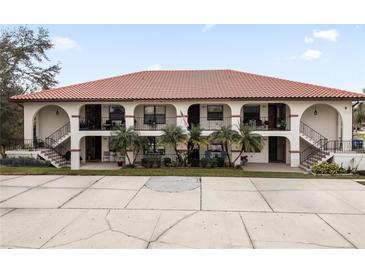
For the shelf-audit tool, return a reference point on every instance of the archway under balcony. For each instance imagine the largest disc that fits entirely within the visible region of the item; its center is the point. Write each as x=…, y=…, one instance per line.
x=266, y=116
x=154, y=116
x=209, y=116
x=50, y=121
x=101, y=116
x=320, y=122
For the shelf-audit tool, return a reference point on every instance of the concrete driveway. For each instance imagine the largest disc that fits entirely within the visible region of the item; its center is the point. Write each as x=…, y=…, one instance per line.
x=180, y=212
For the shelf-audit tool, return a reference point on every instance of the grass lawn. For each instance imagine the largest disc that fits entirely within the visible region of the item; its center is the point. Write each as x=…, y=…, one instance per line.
x=218, y=172
x=360, y=135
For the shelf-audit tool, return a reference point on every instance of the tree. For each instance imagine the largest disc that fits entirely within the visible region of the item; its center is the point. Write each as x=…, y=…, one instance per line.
x=196, y=138
x=359, y=115
x=173, y=136
x=227, y=136
x=23, y=69
x=248, y=141
x=124, y=139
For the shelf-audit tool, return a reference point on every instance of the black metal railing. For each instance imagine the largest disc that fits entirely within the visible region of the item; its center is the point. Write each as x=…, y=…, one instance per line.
x=324, y=147
x=268, y=123
x=56, y=152
x=25, y=144
x=60, y=133
x=101, y=123
x=311, y=133
x=152, y=124
x=207, y=123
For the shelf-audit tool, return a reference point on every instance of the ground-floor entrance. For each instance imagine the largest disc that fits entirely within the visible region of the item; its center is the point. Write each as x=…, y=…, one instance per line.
x=93, y=148
x=277, y=149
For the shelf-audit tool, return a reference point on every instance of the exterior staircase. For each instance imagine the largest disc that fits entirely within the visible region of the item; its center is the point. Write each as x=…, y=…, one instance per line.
x=54, y=151
x=317, y=151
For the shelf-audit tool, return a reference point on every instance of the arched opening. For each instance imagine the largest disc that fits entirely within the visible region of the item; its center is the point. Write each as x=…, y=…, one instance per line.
x=101, y=116
x=209, y=116
x=51, y=121
x=321, y=121
x=266, y=116
x=152, y=117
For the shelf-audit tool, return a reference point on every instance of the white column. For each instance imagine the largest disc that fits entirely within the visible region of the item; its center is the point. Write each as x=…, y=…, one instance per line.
x=129, y=115
x=345, y=111
x=75, y=141
x=28, y=121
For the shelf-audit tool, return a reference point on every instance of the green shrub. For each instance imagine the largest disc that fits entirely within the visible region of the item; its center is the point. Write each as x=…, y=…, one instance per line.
x=158, y=161
x=220, y=162
x=203, y=162
x=327, y=168
x=213, y=162
x=167, y=161
x=23, y=162
x=144, y=162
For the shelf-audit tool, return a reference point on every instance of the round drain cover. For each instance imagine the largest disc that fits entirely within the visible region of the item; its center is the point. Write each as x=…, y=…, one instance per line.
x=173, y=184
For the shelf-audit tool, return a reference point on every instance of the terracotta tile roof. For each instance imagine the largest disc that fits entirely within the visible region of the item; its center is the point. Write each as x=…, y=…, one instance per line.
x=188, y=84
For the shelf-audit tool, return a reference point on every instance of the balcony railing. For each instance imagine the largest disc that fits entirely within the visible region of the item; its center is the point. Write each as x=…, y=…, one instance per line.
x=268, y=123
x=208, y=124
x=152, y=124
x=102, y=123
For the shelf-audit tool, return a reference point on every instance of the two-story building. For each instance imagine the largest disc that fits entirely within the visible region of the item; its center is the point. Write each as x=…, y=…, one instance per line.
x=300, y=123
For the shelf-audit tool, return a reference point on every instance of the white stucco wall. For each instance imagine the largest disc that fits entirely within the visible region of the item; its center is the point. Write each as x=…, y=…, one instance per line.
x=350, y=160
x=259, y=157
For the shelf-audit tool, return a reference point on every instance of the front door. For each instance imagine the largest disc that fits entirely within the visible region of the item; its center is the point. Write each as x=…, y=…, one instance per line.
x=93, y=116
x=272, y=149
x=277, y=149
x=93, y=148
x=272, y=116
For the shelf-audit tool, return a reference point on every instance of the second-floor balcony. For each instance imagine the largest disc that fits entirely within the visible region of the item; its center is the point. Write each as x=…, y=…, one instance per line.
x=153, y=122
x=210, y=124
x=268, y=123
x=100, y=123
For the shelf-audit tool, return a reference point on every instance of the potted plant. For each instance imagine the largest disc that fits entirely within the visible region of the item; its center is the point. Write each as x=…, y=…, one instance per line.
x=282, y=124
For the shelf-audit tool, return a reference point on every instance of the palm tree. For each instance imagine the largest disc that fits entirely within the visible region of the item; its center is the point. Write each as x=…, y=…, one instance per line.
x=139, y=144
x=227, y=136
x=248, y=141
x=196, y=138
x=359, y=115
x=123, y=139
x=172, y=136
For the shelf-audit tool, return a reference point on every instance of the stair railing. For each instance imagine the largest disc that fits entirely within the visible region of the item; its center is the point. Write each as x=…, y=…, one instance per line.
x=60, y=133
x=311, y=133
x=62, y=153
x=314, y=150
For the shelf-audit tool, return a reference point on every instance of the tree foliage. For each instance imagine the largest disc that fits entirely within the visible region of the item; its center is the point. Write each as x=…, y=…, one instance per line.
x=124, y=139
x=247, y=140
x=227, y=136
x=24, y=68
x=173, y=136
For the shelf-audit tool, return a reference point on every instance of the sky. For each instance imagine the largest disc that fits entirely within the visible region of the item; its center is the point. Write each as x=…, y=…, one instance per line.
x=328, y=55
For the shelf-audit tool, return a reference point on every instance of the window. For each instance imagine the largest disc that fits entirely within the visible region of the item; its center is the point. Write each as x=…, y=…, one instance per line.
x=251, y=113
x=116, y=112
x=215, y=112
x=155, y=115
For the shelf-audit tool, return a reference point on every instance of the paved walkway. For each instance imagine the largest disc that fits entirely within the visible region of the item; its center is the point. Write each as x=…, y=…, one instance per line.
x=209, y=212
